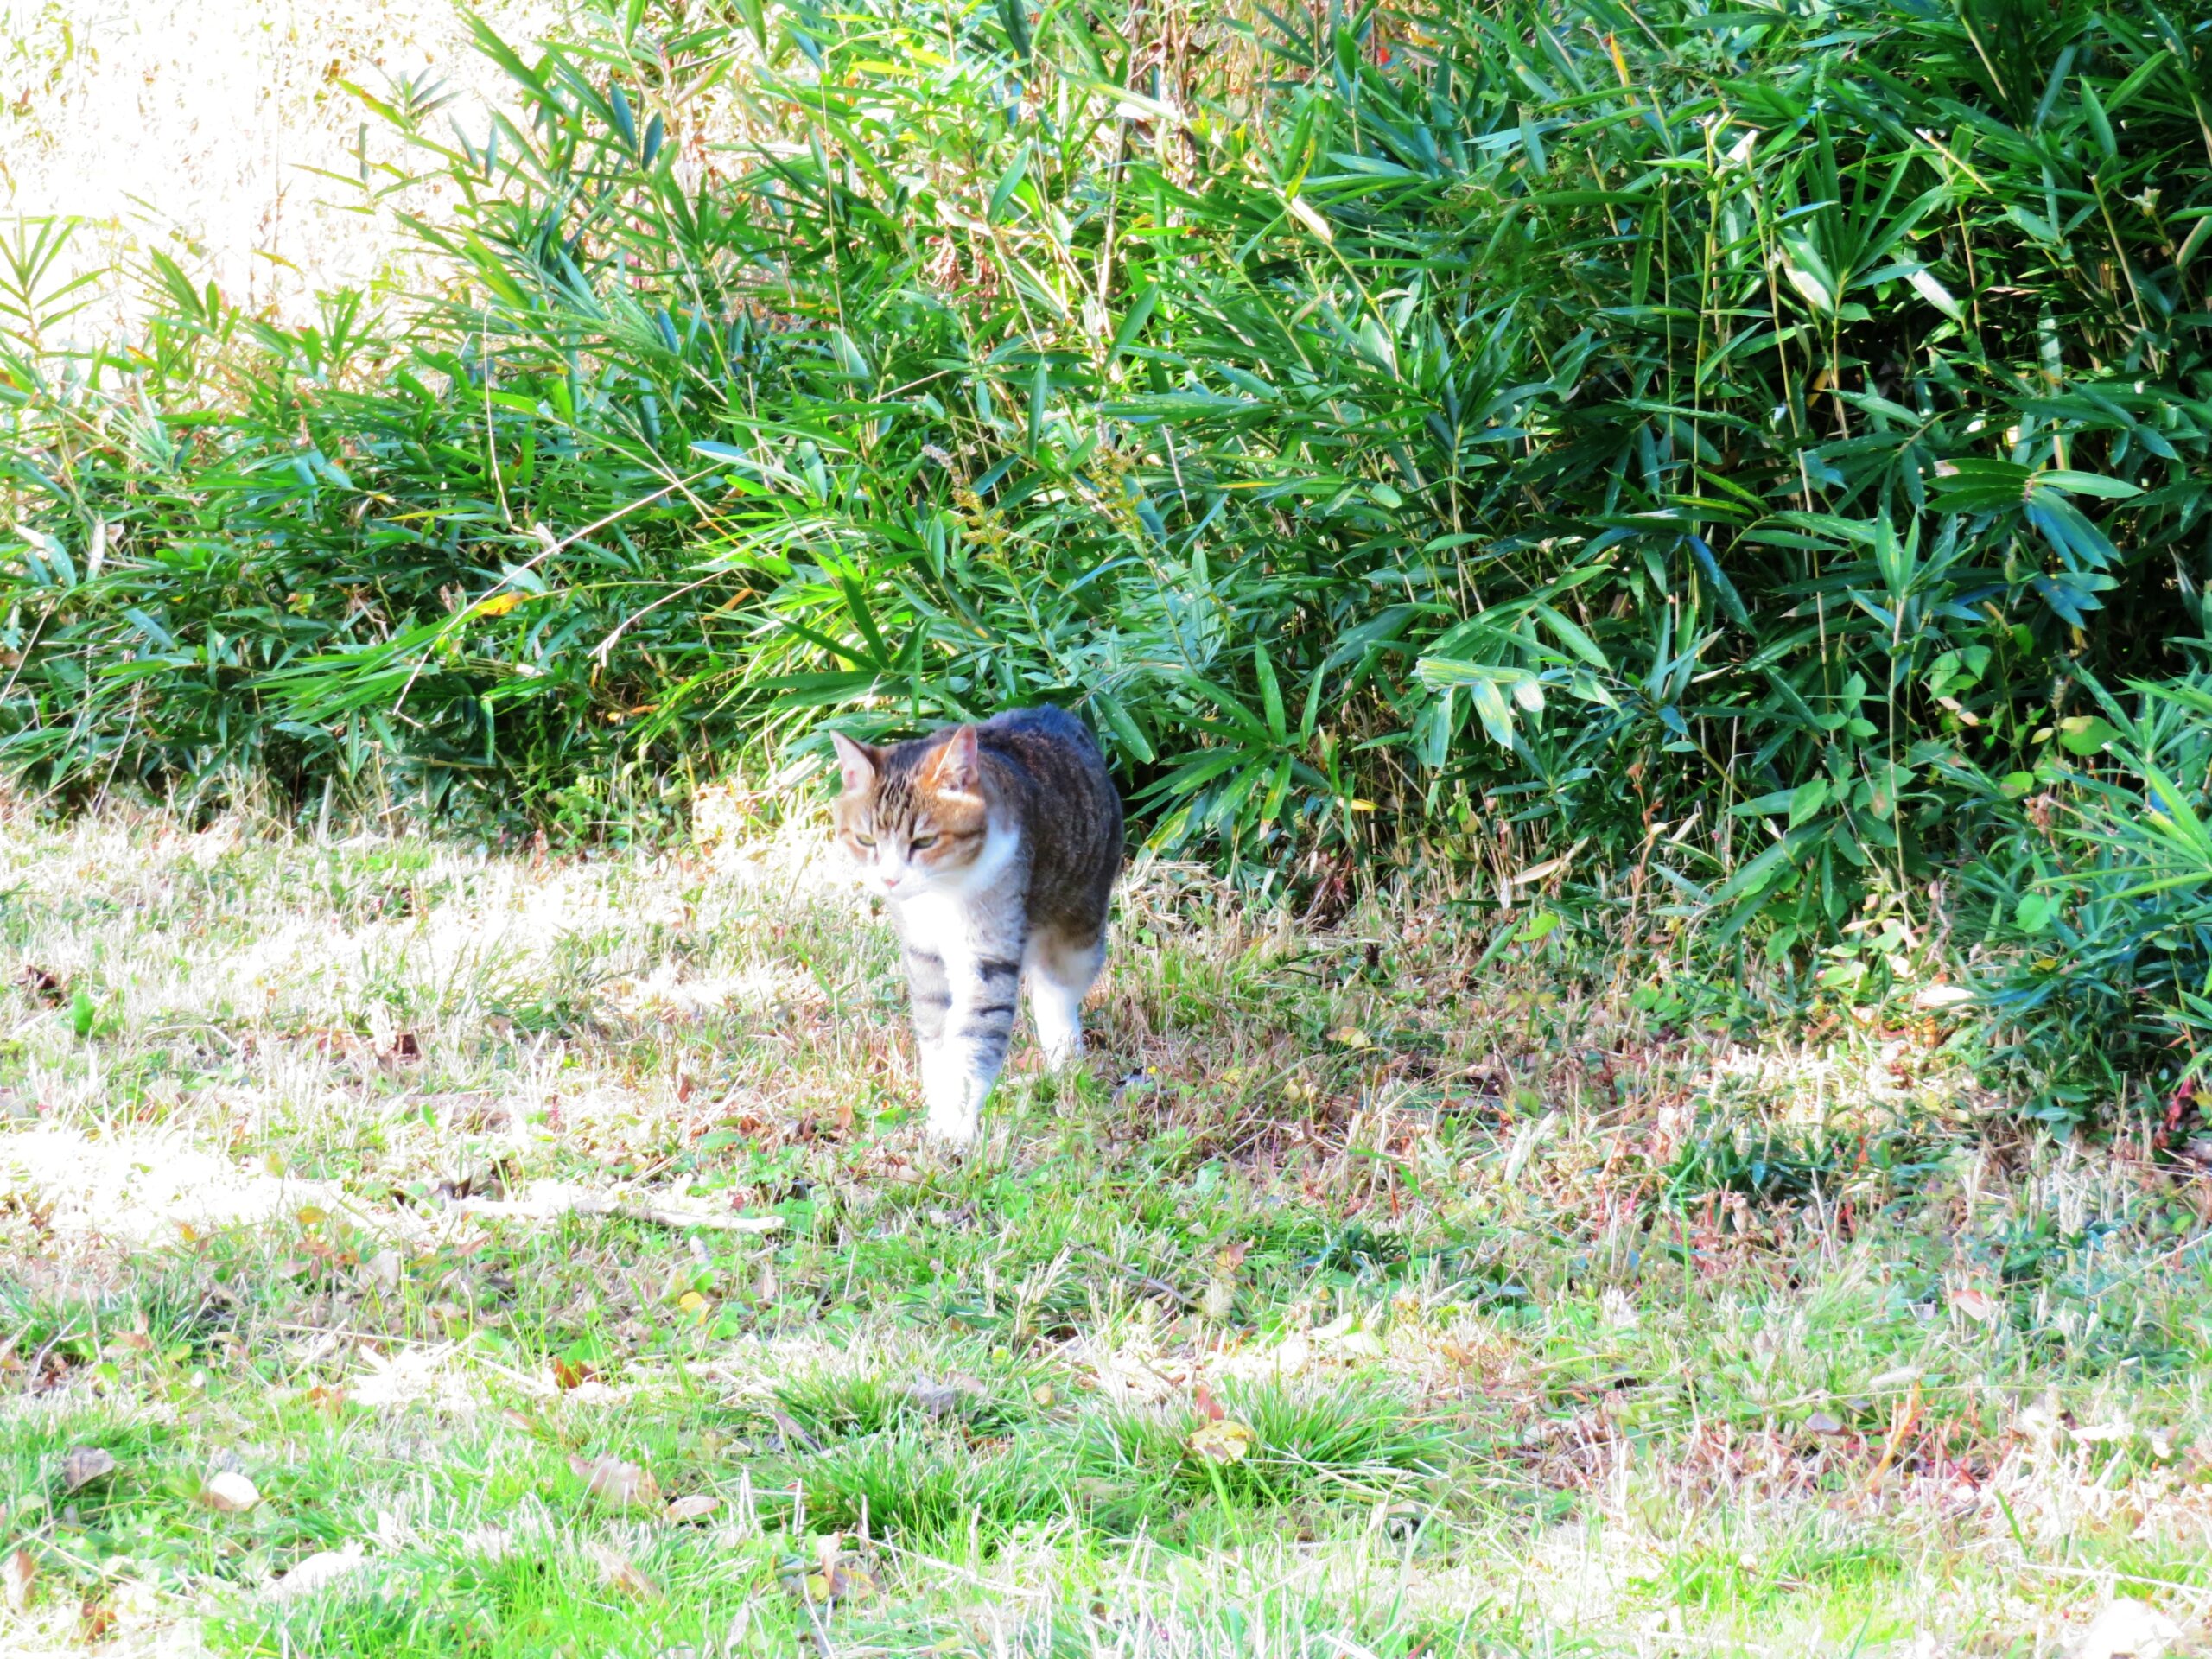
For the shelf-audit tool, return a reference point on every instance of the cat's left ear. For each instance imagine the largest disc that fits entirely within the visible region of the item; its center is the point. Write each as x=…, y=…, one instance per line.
x=956, y=770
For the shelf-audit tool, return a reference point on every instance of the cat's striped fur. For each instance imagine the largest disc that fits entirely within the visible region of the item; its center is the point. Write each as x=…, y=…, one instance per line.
x=997, y=846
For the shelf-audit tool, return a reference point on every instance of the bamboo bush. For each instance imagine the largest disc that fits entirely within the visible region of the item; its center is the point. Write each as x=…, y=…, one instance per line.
x=1713, y=459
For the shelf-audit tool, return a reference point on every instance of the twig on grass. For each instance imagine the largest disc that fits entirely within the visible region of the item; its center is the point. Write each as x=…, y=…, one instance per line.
x=549, y=1201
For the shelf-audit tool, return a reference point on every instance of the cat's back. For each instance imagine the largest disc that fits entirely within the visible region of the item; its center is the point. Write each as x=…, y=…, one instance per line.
x=1040, y=730
x=1073, y=812
x=1055, y=749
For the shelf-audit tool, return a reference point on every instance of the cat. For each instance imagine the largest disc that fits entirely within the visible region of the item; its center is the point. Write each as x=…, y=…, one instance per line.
x=996, y=846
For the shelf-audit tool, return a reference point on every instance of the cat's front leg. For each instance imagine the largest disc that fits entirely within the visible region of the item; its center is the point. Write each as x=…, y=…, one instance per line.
x=956, y=1106
x=958, y=1071
x=952, y=1116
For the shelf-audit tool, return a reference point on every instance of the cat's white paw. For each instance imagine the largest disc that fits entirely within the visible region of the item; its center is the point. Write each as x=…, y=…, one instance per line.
x=958, y=1130
x=954, y=1101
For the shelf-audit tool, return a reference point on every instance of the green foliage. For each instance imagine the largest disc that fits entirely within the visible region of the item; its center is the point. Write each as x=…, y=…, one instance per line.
x=1713, y=444
x=2112, y=916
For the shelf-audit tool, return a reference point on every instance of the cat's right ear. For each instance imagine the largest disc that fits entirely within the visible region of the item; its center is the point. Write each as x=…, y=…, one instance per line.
x=857, y=762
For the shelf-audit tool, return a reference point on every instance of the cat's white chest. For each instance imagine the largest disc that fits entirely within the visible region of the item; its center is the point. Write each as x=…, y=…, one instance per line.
x=962, y=923
x=941, y=921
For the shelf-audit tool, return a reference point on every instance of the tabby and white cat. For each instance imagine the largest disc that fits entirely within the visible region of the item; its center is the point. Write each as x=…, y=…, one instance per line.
x=997, y=846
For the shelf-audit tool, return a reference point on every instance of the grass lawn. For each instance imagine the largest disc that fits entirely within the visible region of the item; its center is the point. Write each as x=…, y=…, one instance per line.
x=406, y=1249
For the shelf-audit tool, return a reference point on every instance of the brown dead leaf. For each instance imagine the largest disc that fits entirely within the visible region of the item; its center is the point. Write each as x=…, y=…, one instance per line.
x=328, y=1401
x=694, y=1507
x=613, y=1481
x=228, y=1492
x=571, y=1374
x=18, y=1571
x=618, y=1571
x=95, y=1620
x=84, y=1465
x=1975, y=1303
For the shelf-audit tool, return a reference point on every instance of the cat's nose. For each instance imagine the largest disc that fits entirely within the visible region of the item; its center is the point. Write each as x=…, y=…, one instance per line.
x=891, y=879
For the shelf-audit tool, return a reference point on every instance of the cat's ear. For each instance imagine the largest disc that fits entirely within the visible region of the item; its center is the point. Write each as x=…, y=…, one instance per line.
x=857, y=762
x=956, y=770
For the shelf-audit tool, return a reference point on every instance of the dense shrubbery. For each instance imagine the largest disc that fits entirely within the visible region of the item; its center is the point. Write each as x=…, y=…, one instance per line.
x=1718, y=456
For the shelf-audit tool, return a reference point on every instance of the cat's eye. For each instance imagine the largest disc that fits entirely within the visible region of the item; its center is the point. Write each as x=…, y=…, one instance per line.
x=865, y=841
x=921, y=841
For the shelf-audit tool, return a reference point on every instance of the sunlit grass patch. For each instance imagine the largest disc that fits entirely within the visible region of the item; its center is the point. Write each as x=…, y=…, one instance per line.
x=1516, y=1321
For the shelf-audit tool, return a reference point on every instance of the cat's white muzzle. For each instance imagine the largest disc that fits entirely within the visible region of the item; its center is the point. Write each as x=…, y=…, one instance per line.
x=901, y=881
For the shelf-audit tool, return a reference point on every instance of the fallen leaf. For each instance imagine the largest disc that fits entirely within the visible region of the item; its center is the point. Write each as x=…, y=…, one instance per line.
x=841, y=1583
x=95, y=1619
x=694, y=1507
x=319, y=1570
x=384, y=1269
x=1976, y=1304
x=1351, y=1036
x=17, y=1574
x=1940, y=996
x=692, y=1302
x=1224, y=1441
x=791, y=1431
x=943, y=1399
x=328, y=1401
x=1824, y=1422
x=1209, y=1408
x=228, y=1492
x=832, y=1576
x=2127, y=1630
x=84, y=1465
x=613, y=1481
x=618, y=1571
x=571, y=1373
x=1359, y=1343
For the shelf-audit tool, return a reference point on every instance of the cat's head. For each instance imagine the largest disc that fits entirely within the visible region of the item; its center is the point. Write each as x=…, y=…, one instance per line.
x=912, y=817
